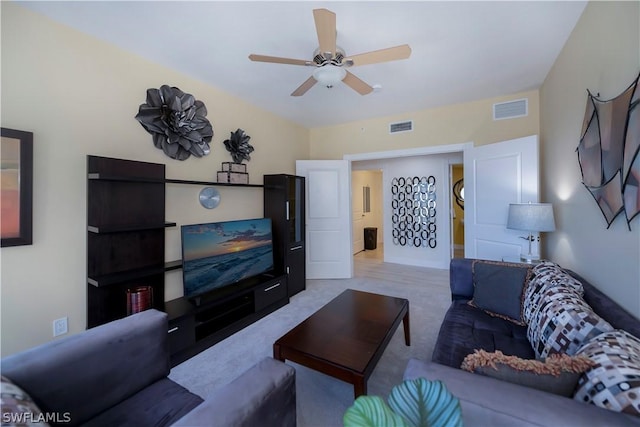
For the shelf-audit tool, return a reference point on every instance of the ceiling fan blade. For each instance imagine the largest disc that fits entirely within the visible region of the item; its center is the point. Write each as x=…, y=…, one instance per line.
x=382, y=55
x=356, y=84
x=304, y=87
x=278, y=60
x=326, y=29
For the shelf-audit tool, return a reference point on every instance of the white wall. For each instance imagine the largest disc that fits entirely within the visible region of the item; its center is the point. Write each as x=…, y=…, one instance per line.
x=438, y=167
x=602, y=55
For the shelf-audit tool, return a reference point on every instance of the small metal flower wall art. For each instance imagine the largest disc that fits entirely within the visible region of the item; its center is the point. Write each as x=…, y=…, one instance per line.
x=177, y=122
x=238, y=145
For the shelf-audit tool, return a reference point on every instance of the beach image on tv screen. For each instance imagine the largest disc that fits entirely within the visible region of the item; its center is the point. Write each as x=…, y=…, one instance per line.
x=219, y=254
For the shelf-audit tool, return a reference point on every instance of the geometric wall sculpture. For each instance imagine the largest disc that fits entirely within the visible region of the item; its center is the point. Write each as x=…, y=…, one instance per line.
x=608, y=153
x=413, y=204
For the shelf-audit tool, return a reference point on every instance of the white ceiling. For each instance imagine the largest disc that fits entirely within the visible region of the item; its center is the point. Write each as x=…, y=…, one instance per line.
x=461, y=51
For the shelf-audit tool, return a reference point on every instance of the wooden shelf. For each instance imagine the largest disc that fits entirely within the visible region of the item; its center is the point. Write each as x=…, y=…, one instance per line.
x=107, y=177
x=222, y=184
x=125, y=276
x=173, y=265
x=126, y=228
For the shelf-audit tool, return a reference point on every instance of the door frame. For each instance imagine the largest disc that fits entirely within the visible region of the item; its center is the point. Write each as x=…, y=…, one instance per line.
x=410, y=152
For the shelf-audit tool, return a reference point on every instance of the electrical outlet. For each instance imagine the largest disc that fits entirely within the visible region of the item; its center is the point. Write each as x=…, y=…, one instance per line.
x=60, y=326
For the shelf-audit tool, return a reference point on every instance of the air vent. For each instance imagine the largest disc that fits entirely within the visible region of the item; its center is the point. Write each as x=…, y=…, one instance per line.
x=511, y=109
x=401, y=127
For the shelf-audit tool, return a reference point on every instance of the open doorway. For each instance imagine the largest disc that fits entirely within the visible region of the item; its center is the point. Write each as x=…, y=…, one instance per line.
x=367, y=211
x=457, y=210
x=433, y=246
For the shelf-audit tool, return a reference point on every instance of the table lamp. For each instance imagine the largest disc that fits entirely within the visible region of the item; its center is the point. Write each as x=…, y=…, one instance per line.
x=531, y=217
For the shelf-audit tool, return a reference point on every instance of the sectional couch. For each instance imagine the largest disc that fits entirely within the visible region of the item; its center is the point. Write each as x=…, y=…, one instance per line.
x=533, y=313
x=116, y=375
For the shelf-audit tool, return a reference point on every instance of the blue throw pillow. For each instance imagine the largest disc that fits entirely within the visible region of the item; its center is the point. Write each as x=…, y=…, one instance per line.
x=499, y=289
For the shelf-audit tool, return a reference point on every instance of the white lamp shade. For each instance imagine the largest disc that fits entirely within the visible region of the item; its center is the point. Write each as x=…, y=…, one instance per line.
x=532, y=217
x=329, y=75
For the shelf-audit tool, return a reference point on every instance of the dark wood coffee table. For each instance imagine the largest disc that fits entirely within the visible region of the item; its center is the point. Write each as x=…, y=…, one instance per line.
x=346, y=338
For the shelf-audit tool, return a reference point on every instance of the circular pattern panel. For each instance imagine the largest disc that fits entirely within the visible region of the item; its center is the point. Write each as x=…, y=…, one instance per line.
x=414, y=211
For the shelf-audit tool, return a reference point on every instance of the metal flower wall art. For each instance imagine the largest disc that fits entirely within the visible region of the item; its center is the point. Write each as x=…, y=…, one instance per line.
x=608, y=153
x=239, y=147
x=177, y=122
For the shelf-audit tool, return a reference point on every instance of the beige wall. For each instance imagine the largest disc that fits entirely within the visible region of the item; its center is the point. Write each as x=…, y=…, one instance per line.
x=79, y=96
x=453, y=124
x=602, y=55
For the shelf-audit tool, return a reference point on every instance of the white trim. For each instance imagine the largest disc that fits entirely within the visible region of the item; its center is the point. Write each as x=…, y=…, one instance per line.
x=409, y=152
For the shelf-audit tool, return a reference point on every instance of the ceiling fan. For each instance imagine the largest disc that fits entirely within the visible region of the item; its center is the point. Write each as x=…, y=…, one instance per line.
x=331, y=61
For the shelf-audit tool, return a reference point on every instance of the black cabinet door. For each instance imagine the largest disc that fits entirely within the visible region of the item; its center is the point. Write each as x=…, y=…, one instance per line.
x=296, y=269
x=284, y=203
x=295, y=209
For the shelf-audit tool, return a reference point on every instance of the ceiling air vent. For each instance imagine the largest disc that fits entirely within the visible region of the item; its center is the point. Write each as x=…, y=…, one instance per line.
x=511, y=109
x=401, y=127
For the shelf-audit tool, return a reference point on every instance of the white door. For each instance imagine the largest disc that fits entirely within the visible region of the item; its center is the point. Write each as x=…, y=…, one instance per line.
x=328, y=218
x=494, y=176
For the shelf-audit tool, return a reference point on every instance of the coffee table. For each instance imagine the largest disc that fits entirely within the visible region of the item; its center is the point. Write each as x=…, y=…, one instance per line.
x=346, y=338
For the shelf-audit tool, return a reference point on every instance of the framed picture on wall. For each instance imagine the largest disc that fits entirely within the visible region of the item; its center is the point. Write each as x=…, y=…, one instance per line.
x=16, y=192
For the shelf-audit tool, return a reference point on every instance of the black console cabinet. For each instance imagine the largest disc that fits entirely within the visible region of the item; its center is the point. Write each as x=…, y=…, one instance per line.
x=284, y=200
x=196, y=325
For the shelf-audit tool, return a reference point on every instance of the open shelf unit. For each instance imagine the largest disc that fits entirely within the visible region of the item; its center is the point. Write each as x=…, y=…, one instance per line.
x=125, y=234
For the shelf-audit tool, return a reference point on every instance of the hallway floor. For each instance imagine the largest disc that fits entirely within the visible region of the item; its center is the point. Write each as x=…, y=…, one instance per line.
x=375, y=254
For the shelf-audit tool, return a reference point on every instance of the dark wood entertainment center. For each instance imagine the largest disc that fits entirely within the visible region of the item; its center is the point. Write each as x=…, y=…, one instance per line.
x=126, y=246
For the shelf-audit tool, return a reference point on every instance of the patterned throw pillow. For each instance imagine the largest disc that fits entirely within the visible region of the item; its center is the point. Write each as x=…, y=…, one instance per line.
x=614, y=382
x=554, y=271
x=558, y=374
x=498, y=289
x=546, y=275
x=563, y=324
x=549, y=296
x=17, y=407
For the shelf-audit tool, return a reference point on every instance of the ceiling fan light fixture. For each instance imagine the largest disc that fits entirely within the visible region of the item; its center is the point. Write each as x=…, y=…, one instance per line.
x=329, y=75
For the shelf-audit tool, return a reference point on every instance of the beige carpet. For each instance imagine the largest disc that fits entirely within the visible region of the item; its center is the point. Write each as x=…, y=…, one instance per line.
x=322, y=400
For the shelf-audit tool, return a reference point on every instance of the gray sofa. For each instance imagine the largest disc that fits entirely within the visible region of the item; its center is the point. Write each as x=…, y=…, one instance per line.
x=488, y=401
x=116, y=375
x=467, y=328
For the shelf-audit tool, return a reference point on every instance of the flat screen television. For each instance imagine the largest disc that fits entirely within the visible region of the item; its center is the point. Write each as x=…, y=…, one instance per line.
x=220, y=254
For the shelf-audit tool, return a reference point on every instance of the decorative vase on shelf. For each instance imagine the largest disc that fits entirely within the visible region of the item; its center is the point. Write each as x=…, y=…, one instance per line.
x=139, y=299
